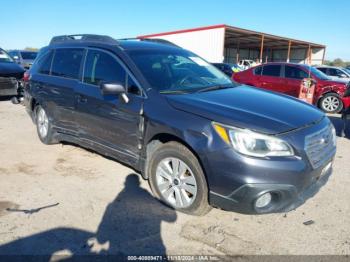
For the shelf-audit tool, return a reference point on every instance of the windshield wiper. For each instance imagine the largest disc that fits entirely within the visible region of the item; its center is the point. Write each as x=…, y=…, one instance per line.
x=211, y=88
x=173, y=92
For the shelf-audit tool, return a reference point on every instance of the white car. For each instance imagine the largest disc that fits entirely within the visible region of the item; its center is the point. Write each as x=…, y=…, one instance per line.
x=335, y=73
x=245, y=64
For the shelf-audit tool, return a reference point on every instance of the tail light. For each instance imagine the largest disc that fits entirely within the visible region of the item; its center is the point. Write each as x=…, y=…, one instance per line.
x=26, y=76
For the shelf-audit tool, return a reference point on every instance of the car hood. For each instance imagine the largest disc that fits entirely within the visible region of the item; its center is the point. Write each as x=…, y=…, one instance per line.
x=248, y=107
x=10, y=69
x=336, y=81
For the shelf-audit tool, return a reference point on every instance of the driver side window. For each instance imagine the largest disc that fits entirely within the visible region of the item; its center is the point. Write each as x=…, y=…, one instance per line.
x=102, y=67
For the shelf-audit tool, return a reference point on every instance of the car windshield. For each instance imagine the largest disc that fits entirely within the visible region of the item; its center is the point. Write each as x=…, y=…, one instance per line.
x=178, y=71
x=4, y=57
x=314, y=71
x=347, y=70
x=29, y=55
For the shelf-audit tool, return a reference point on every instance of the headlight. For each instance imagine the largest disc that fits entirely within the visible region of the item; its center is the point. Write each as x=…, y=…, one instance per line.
x=251, y=143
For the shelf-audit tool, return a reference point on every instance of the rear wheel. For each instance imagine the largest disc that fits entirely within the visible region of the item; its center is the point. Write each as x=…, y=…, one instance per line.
x=44, y=126
x=177, y=179
x=331, y=103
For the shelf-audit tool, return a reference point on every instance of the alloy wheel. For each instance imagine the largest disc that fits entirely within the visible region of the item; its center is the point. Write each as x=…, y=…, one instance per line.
x=331, y=103
x=176, y=182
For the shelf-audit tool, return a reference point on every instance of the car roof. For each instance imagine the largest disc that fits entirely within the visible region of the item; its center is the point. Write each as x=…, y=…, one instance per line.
x=282, y=63
x=326, y=66
x=140, y=44
x=23, y=51
x=123, y=45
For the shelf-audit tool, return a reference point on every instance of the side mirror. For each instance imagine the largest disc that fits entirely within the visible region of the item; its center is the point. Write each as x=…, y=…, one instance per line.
x=114, y=89
x=15, y=57
x=342, y=75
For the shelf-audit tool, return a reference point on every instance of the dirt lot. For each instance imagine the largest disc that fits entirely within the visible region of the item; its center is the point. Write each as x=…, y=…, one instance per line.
x=95, y=205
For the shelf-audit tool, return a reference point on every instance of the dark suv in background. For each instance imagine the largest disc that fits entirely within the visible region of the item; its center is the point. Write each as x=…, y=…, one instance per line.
x=199, y=138
x=23, y=57
x=11, y=75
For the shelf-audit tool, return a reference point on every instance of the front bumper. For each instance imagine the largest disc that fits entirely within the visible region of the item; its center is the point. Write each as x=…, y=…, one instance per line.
x=8, y=86
x=285, y=197
x=237, y=181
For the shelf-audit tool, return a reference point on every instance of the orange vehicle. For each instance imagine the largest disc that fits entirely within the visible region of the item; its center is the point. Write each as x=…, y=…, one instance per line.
x=307, y=90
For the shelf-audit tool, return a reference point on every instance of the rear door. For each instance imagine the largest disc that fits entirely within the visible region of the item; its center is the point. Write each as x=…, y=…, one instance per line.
x=108, y=120
x=293, y=77
x=64, y=77
x=271, y=78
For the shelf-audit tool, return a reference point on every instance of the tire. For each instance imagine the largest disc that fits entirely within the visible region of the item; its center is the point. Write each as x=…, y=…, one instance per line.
x=331, y=103
x=44, y=126
x=186, y=189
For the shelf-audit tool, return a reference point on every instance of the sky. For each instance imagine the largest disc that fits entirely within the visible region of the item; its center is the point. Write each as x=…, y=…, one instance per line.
x=32, y=23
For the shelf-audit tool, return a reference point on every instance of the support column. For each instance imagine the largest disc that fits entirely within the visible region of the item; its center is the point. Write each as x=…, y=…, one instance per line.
x=288, y=55
x=324, y=53
x=262, y=48
x=237, y=52
x=309, y=55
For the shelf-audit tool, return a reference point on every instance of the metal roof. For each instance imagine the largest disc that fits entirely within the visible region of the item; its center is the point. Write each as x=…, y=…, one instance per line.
x=246, y=38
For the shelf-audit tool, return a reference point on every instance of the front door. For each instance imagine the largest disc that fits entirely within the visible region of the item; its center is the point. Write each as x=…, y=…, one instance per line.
x=293, y=78
x=108, y=121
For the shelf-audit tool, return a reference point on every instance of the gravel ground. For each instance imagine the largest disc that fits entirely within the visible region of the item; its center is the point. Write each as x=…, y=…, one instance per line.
x=62, y=199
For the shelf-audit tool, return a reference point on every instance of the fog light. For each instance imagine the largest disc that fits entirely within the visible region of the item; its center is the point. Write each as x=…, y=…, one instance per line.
x=263, y=200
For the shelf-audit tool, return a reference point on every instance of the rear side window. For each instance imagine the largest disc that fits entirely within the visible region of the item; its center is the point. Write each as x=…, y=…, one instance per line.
x=66, y=63
x=271, y=70
x=102, y=67
x=44, y=63
x=257, y=70
x=324, y=70
x=296, y=73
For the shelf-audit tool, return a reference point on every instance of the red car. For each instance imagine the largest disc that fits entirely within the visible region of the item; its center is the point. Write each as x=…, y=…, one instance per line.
x=286, y=78
x=346, y=99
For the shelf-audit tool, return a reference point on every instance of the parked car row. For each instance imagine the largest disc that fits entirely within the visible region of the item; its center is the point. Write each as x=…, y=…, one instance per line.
x=228, y=68
x=335, y=72
x=246, y=63
x=287, y=78
x=23, y=57
x=199, y=138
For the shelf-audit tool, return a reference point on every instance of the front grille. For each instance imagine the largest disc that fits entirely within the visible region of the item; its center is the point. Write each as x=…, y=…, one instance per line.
x=12, y=75
x=8, y=82
x=320, y=146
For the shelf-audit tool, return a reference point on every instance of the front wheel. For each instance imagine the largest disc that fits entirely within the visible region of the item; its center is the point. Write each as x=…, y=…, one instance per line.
x=177, y=179
x=331, y=103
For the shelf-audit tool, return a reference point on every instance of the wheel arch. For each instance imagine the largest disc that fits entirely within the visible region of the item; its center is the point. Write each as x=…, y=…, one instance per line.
x=329, y=91
x=162, y=138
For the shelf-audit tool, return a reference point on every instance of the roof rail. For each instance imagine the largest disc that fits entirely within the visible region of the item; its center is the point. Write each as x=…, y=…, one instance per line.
x=83, y=38
x=156, y=40
x=159, y=40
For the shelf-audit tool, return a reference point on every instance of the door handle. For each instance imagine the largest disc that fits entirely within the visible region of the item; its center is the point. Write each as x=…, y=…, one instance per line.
x=81, y=99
